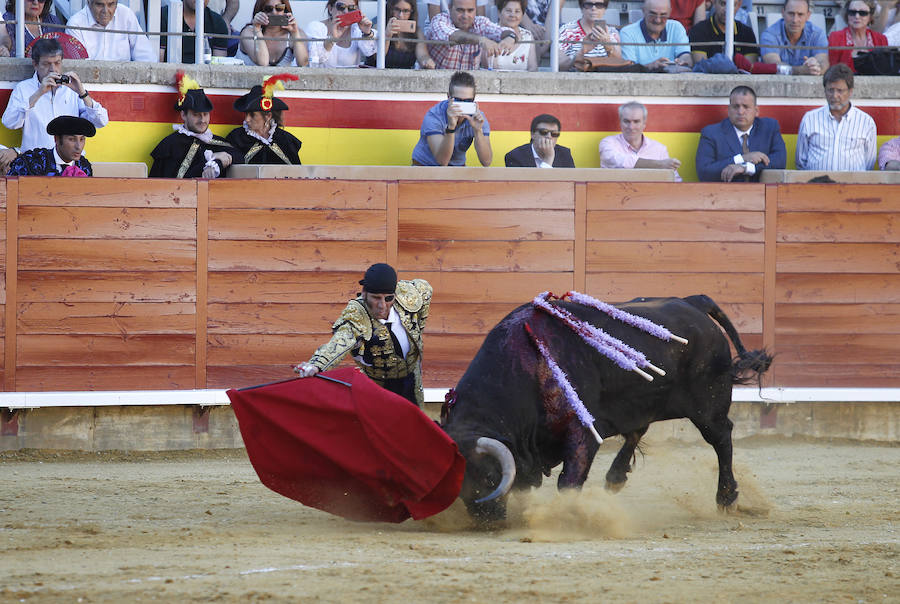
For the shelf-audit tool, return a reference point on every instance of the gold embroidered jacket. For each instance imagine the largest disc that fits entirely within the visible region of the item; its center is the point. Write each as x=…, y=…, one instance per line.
x=358, y=332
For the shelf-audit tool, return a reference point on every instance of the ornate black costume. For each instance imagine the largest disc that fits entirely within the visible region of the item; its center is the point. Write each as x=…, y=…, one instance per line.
x=284, y=148
x=181, y=156
x=40, y=162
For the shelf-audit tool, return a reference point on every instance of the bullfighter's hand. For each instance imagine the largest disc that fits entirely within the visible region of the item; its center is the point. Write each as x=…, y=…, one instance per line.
x=306, y=369
x=756, y=157
x=732, y=170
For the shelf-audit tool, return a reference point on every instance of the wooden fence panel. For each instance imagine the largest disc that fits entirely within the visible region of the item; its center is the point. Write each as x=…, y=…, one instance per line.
x=108, y=192
x=294, y=194
x=3, y=282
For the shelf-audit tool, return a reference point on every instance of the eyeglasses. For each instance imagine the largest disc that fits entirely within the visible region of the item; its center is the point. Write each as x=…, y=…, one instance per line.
x=344, y=8
x=402, y=11
x=545, y=132
x=271, y=9
x=860, y=13
x=594, y=4
x=458, y=100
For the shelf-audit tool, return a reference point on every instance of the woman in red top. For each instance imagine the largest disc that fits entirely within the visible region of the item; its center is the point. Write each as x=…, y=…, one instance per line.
x=858, y=14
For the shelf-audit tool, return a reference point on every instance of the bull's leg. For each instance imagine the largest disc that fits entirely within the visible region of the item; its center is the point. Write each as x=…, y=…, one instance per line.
x=579, y=451
x=621, y=465
x=718, y=434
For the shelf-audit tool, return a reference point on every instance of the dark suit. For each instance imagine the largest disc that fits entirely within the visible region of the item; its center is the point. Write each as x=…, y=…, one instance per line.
x=42, y=162
x=522, y=157
x=719, y=144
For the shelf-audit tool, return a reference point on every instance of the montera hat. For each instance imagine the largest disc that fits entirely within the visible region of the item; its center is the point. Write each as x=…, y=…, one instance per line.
x=71, y=125
x=262, y=98
x=190, y=95
x=380, y=278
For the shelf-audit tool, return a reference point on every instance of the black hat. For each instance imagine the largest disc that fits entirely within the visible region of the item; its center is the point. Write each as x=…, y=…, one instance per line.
x=256, y=101
x=380, y=278
x=69, y=124
x=195, y=100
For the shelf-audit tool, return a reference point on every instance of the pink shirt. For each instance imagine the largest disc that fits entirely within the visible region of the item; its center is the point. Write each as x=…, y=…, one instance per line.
x=615, y=152
x=890, y=151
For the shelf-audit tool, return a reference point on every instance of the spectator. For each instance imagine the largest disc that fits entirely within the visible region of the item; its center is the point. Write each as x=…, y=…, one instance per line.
x=470, y=35
x=335, y=47
x=858, y=15
x=542, y=151
x=436, y=7
x=631, y=149
x=742, y=145
x=193, y=151
x=537, y=21
x=65, y=157
x=654, y=28
x=887, y=20
x=524, y=56
x=794, y=31
x=889, y=155
x=450, y=127
x=713, y=30
x=37, y=12
x=288, y=49
x=836, y=136
x=410, y=49
x=102, y=15
x=213, y=27
x=262, y=138
x=588, y=36
x=48, y=94
x=689, y=12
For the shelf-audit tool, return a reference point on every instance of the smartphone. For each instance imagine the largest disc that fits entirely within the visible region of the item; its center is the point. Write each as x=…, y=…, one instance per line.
x=467, y=107
x=279, y=20
x=348, y=19
x=601, y=23
x=406, y=26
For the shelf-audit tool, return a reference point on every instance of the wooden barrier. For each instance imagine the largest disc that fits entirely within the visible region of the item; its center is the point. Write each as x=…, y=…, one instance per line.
x=163, y=284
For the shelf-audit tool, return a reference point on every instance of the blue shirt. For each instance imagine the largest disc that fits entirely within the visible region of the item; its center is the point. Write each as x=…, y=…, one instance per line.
x=810, y=36
x=434, y=122
x=637, y=32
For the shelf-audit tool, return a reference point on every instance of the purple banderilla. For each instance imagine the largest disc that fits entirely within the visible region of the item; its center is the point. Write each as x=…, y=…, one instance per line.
x=617, y=313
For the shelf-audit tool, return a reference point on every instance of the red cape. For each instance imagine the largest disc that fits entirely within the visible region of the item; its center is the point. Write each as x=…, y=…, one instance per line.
x=360, y=452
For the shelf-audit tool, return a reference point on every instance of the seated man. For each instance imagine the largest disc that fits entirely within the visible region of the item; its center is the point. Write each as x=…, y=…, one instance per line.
x=631, y=149
x=471, y=36
x=742, y=145
x=654, y=28
x=65, y=158
x=542, y=151
x=713, y=30
x=193, y=151
x=889, y=155
x=103, y=15
x=795, y=32
x=450, y=127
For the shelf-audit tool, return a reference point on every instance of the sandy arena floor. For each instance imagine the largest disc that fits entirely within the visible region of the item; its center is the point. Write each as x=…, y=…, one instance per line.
x=820, y=521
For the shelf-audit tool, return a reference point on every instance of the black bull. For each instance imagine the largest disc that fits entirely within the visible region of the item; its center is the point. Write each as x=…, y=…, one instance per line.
x=508, y=400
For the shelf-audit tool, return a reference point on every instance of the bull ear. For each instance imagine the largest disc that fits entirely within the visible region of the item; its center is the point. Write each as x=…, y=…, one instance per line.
x=496, y=449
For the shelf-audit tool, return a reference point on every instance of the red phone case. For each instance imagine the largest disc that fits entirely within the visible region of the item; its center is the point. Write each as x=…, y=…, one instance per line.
x=347, y=19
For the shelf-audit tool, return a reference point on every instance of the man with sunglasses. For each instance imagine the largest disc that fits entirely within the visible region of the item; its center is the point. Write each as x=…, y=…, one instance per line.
x=643, y=40
x=542, y=151
x=382, y=330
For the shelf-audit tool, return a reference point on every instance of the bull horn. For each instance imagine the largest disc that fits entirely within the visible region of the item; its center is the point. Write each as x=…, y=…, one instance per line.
x=500, y=452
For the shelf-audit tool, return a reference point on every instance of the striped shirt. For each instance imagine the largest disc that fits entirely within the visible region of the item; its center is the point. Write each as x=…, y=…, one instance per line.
x=823, y=143
x=572, y=34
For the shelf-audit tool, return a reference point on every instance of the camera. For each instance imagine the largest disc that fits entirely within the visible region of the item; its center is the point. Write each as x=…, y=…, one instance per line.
x=63, y=79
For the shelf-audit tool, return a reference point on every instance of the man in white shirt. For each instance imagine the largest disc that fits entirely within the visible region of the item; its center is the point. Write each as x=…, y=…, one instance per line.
x=105, y=15
x=48, y=94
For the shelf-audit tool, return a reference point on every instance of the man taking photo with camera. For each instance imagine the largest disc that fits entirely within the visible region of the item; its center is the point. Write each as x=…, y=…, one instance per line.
x=47, y=94
x=450, y=127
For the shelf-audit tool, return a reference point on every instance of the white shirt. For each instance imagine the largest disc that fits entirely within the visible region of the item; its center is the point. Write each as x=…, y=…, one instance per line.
x=102, y=46
x=397, y=329
x=60, y=162
x=540, y=163
x=33, y=120
x=749, y=167
x=824, y=143
x=338, y=56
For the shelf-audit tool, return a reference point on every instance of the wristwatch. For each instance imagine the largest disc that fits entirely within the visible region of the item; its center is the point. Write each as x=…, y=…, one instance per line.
x=449, y=130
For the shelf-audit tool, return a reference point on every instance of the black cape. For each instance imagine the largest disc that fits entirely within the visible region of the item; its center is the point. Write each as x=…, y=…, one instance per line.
x=170, y=154
x=257, y=152
x=40, y=162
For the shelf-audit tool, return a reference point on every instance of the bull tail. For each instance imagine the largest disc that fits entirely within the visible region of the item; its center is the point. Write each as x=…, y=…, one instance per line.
x=749, y=365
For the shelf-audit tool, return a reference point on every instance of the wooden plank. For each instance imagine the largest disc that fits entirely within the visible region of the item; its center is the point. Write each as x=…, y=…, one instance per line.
x=3, y=214
x=134, y=377
x=342, y=225
x=79, y=286
x=580, y=236
x=769, y=279
x=240, y=376
x=800, y=319
x=838, y=227
x=261, y=349
x=273, y=318
x=106, y=255
x=109, y=192
x=849, y=289
x=836, y=349
x=292, y=193
x=10, y=283
x=515, y=256
x=486, y=225
x=392, y=220
x=3, y=195
x=668, y=196
x=437, y=373
x=293, y=255
x=283, y=287
x=672, y=225
x=106, y=223
x=721, y=287
x=100, y=350
x=466, y=318
x=202, y=264
x=838, y=375
x=853, y=198
x=105, y=318
x=479, y=287
x=843, y=258
x=498, y=195
x=675, y=256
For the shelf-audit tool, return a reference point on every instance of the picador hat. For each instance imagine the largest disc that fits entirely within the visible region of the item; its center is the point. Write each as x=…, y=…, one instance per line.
x=380, y=278
x=262, y=98
x=69, y=124
x=190, y=95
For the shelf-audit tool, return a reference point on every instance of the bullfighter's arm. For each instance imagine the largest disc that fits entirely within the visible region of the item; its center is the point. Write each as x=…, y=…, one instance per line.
x=352, y=326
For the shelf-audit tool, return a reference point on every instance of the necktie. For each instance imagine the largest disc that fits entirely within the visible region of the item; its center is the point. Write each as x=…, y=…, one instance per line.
x=398, y=350
x=745, y=148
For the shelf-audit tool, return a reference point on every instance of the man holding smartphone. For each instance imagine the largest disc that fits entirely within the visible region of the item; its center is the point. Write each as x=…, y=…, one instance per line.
x=452, y=126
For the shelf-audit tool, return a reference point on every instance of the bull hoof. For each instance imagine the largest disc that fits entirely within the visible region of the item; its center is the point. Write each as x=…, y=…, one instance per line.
x=728, y=510
x=614, y=487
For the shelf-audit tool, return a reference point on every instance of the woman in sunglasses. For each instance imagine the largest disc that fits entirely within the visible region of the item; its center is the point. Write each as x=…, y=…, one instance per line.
x=273, y=19
x=338, y=37
x=37, y=14
x=588, y=36
x=382, y=330
x=858, y=15
x=409, y=49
